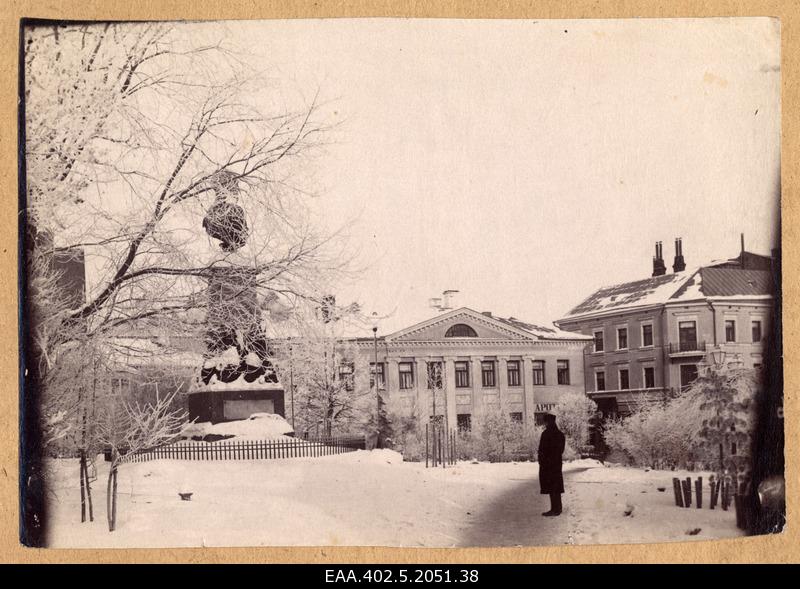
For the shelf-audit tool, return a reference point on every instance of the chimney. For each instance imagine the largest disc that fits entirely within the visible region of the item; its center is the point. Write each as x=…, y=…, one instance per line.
x=449, y=298
x=659, y=269
x=679, y=265
x=487, y=313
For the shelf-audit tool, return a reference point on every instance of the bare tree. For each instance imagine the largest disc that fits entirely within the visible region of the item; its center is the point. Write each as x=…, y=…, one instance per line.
x=331, y=381
x=128, y=428
x=169, y=166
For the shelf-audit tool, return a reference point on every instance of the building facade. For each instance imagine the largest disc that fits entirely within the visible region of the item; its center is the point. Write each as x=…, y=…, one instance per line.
x=462, y=362
x=648, y=336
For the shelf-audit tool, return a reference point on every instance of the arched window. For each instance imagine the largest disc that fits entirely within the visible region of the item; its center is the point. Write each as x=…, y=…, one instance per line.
x=460, y=330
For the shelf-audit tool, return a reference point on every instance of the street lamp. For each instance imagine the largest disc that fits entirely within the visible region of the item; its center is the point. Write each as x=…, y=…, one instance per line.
x=718, y=356
x=375, y=379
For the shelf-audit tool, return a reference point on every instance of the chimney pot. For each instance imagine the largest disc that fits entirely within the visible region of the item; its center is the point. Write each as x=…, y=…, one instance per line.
x=659, y=269
x=679, y=265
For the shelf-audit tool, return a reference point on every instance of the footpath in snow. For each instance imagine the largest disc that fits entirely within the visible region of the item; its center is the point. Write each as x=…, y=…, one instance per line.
x=371, y=499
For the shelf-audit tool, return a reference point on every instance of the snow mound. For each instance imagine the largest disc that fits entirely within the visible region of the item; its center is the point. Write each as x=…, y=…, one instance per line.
x=586, y=463
x=382, y=456
x=259, y=426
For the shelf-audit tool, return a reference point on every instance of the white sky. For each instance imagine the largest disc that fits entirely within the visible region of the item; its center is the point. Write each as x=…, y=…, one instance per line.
x=527, y=163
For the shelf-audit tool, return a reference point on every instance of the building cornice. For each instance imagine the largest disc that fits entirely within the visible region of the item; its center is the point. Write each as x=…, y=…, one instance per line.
x=475, y=343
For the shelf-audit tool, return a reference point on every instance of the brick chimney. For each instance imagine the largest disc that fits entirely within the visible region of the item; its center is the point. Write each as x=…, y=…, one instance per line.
x=679, y=265
x=659, y=268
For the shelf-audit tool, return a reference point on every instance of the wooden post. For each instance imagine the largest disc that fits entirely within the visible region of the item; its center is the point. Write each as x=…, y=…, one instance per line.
x=725, y=495
x=687, y=492
x=676, y=486
x=426, y=445
x=698, y=487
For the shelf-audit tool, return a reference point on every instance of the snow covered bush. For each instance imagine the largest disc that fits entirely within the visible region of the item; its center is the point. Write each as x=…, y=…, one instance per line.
x=687, y=430
x=496, y=436
x=659, y=434
x=407, y=427
x=573, y=413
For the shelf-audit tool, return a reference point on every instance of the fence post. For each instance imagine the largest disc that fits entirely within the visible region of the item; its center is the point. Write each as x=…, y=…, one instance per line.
x=676, y=486
x=687, y=492
x=426, y=445
x=698, y=487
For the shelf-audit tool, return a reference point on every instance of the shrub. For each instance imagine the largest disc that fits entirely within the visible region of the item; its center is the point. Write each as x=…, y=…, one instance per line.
x=496, y=437
x=659, y=434
x=573, y=413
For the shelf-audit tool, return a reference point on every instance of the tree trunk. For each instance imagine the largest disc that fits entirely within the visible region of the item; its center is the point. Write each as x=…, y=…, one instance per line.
x=114, y=501
x=88, y=488
x=111, y=497
x=82, y=464
x=108, y=499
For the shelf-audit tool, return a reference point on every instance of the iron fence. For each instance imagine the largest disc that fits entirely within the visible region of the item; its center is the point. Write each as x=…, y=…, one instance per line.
x=249, y=449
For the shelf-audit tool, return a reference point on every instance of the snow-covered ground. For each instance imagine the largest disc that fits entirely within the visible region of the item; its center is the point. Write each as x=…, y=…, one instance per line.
x=598, y=498
x=371, y=498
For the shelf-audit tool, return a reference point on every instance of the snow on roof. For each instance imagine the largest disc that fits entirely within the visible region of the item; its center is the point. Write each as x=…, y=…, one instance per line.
x=548, y=331
x=639, y=293
x=720, y=278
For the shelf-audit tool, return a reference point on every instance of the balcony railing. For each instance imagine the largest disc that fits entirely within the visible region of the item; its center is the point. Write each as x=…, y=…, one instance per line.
x=683, y=347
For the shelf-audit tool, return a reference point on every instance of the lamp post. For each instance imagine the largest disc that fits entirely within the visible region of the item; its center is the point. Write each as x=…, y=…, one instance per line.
x=291, y=384
x=375, y=380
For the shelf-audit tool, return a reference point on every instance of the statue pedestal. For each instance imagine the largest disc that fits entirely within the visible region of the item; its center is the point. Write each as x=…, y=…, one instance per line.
x=239, y=399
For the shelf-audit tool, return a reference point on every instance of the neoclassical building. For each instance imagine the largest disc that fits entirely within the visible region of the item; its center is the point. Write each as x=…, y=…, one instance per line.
x=461, y=361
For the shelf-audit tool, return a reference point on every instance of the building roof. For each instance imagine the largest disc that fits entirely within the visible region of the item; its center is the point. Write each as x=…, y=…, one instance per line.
x=547, y=332
x=726, y=282
x=509, y=325
x=726, y=278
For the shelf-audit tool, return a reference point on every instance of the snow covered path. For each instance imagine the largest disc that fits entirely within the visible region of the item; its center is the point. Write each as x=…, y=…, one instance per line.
x=366, y=499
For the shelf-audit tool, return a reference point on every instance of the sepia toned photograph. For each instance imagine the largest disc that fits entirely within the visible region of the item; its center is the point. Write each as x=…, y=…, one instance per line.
x=400, y=282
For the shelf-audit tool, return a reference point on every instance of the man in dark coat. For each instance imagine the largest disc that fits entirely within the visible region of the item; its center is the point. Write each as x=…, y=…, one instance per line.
x=551, y=448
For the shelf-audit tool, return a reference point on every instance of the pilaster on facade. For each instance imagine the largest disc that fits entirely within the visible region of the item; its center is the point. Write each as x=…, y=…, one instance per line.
x=449, y=385
x=527, y=385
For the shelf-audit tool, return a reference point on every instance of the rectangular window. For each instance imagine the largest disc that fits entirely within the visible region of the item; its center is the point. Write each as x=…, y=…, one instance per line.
x=346, y=375
x=756, y=331
x=381, y=375
x=598, y=341
x=487, y=373
x=516, y=417
x=600, y=380
x=649, y=377
x=406, y=370
x=513, y=373
x=687, y=336
x=462, y=375
x=538, y=372
x=622, y=338
x=624, y=380
x=434, y=375
x=730, y=330
x=688, y=374
x=563, y=371
x=464, y=422
x=647, y=335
